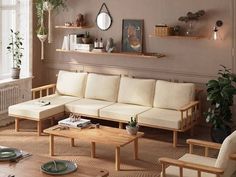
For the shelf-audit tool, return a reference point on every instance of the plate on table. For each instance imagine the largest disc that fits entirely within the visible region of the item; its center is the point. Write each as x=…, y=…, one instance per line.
x=59, y=167
x=9, y=154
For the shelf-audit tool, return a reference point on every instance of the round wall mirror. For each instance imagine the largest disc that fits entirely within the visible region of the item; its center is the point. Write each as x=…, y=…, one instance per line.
x=104, y=21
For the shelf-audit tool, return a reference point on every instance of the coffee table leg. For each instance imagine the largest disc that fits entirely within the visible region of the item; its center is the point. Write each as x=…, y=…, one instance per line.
x=117, y=158
x=72, y=142
x=136, y=149
x=93, y=149
x=51, y=145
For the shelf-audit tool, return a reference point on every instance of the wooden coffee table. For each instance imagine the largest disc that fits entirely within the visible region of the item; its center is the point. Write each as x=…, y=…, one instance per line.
x=105, y=135
x=30, y=166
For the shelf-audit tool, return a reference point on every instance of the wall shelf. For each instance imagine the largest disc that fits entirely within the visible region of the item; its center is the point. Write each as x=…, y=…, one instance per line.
x=145, y=55
x=73, y=27
x=178, y=37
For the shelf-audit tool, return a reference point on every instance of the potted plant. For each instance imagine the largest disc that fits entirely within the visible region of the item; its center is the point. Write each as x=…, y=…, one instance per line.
x=220, y=93
x=42, y=32
x=132, y=127
x=15, y=47
x=189, y=18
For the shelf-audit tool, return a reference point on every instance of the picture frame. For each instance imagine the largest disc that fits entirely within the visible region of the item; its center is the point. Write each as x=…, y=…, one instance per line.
x=132, y=36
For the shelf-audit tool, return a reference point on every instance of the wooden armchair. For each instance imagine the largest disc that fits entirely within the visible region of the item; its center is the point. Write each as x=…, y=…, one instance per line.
x=191, y=165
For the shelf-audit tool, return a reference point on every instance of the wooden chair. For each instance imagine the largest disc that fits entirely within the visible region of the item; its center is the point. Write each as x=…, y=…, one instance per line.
x=191, y=165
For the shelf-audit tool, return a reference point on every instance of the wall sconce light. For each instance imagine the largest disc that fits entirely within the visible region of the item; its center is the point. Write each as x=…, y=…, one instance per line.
x=216, y=33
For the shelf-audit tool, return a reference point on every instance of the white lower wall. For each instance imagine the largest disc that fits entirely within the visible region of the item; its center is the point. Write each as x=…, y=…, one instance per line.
x=25, y=85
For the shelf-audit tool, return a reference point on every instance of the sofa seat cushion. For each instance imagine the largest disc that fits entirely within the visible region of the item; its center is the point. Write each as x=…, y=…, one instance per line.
x=122, y=112
x=136, y=91
x=173, y=171
x=32, y=110
x=88, y=107
x=172, y=95
x=102, y=87
x=71, y=83
x=162, y=118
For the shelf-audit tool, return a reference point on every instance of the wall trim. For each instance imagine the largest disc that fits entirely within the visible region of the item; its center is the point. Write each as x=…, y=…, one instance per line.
x=201, y=78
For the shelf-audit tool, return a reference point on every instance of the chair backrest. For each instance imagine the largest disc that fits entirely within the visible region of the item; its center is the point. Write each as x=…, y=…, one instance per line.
x=71, y=83
x=136, y=91
x=223, y=161
x=102, y=87
x=172, y=95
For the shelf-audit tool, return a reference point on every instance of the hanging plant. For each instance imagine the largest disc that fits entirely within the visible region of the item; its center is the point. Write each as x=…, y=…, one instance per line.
x=42, y=32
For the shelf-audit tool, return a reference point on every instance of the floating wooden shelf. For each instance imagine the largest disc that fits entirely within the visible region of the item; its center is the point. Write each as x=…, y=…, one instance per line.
x=144, y=55
x=73, y=27
x=179, y=37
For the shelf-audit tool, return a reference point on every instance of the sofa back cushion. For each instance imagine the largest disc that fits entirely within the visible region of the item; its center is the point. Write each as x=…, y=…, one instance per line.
x=223, y=161
x=102, y=87
x=173, y=95
x=71, y=83
x=136, y=91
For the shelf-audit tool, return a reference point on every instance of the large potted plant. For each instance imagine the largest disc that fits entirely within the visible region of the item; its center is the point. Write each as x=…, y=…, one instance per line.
x=15, y=47
x=220, y=93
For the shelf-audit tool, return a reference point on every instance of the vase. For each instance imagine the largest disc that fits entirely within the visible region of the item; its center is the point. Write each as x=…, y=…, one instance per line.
x=132, y=130
x=15, y=73
x=189, y=29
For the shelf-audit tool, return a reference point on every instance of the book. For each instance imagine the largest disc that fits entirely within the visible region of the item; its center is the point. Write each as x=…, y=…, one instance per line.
x=81, y=123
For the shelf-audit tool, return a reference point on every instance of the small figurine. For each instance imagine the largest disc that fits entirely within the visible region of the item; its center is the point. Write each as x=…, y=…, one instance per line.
x=110, y=45
x=80, y=20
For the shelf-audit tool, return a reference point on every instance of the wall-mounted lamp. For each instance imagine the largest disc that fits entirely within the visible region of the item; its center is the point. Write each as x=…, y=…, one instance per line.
x=215, y=32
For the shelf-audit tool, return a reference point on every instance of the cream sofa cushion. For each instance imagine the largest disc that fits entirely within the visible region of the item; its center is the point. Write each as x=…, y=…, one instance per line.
x=223, y=161
x=173, y=171
x=167, y=118
x=87, y=107
x=32, y=110
x=121, y=112
x=136, y=91
x=102, y=87
x=71, y=83
x=173, y=95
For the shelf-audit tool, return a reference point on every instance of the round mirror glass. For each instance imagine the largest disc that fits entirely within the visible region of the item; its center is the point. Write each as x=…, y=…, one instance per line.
x=104, y=21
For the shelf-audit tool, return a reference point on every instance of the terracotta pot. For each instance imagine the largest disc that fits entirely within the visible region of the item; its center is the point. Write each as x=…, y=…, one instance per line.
x=15, y=73
x=132, y=130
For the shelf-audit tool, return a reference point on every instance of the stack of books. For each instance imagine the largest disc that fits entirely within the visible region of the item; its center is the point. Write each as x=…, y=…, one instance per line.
x=70, y=122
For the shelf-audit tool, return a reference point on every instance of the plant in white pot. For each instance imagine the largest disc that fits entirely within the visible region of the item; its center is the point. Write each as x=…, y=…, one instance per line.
x=132, y=127
x=15, y=47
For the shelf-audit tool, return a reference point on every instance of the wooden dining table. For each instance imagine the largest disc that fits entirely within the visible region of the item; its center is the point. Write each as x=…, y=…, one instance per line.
x=31, y=167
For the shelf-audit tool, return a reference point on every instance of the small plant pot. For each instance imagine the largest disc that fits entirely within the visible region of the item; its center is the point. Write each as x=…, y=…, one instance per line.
x=132, y=130
x=15, y=73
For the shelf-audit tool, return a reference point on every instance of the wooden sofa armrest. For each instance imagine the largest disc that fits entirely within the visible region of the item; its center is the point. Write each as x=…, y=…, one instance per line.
x=201, y=143
x=204, y=143
x=41, y=89
x=189, y=106
x=232, y=156
x=193, y=166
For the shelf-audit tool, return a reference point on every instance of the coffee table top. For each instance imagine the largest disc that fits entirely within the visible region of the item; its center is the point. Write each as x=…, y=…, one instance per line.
x=103, y=134
x=31, y=167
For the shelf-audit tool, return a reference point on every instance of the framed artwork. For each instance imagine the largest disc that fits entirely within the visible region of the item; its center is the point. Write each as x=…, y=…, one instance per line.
x=132, y=36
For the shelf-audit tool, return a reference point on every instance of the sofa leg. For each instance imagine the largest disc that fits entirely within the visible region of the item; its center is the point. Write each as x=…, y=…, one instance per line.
x=175, y=138
x=17, y=124
x=39, y=128
x=120, y=125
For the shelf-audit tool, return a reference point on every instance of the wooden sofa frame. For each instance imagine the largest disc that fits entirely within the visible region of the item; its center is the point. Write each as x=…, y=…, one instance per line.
x=192, y=108
x=193, y=166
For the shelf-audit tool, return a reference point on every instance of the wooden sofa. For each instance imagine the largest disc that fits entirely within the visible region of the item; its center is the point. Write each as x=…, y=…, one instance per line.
x=155, y=103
